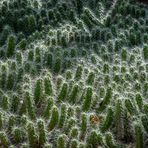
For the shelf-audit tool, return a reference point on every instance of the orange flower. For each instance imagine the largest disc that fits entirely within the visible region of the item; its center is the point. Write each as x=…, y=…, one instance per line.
x=94, y=119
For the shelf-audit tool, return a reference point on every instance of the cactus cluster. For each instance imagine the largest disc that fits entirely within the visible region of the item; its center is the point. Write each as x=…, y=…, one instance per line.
x=73, y=74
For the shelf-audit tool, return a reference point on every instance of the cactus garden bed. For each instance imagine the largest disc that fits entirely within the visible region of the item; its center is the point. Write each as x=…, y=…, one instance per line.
x=73, y=74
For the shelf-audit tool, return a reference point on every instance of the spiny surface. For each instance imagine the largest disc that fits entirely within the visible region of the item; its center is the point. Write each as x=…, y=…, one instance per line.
x=73, y=74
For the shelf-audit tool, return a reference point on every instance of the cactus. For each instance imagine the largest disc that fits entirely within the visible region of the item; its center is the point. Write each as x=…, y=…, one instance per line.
x=19, y=57
x=57, y=65
x=22, y=44
x=91, y=78
x=10, y=81
x=54, y=118
x=81, y=145
x=106, y=99
x=108, y=120
x=4, y=139
x=145, y=52
x=1, y=120
x=145, y=108
x=79, y=4
x=138, y=136
x=129, y=106
x=74, y=94
x=110, y=140
x=73, y=53
x=46, y=112
x=74, y=143
x=32, y=136
x=73, y=73
x=119, y=119
x=15, y=103
x=23, y=107
x=5, y=33
x=18, y=134
x=139, y=101
x=3, y=77
x=63, y=93
x=124, y=55
x=11, y=122
x=70, y=123
x=42, y=132
x=32, y=23
x=144, y=120
x=49, y=60
x=11, y=45
x=20, y=74
x=87, y=99
x=30, y=55
x=64, y=41
x=5, y=103
x=61, y=142
x=92, y=139
x=78, y=73
x=48, y=86
x=63, y=115
x=38, y=91
x=30, y=105
x=74, y=132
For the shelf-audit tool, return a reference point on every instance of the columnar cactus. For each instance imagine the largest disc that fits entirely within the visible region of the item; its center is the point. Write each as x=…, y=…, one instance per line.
x=108, y=120
x=92, y=139
x=73, y=74
x=63, y=93
x=91, y=78
x=87, y=99
x=144, y=120
x=63, y=115
x=110, y=140
x=119, y=119
x=11, y=122
x=10, y=80
x=74, y=143
x=78, y=73
x=18, y=134
x=106, y=99
x=57, y=65
x=139, y=101
x=22, y=44
x=54, y=118
x=79, y=4
x=74, y=94
x=61, y=143
x=4, y=139
x=11, y=45
x=74, y=132
x=30, y=105
x=42, y=132
x=138, y=136
x=6, y=31
x=145, y=52
x=48, y=86
x=38, y=91
x=129, y=106
x=5, y=103
x=1, y=120
x=124, y=55
x=32, y=135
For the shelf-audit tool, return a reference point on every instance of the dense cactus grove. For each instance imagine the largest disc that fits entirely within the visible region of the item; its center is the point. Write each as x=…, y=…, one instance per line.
x=73, y=74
